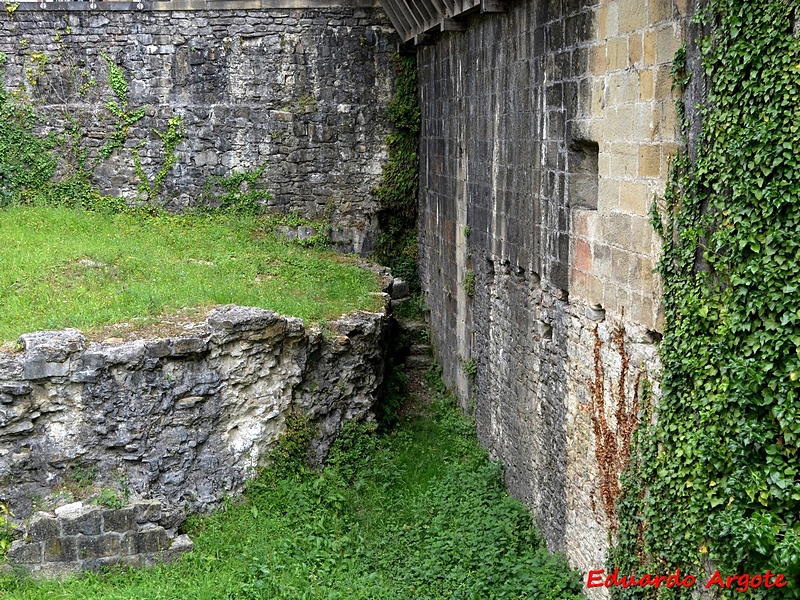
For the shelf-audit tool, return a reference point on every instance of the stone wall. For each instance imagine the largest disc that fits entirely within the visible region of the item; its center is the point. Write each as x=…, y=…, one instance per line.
x=300, y=87
x=186, y=418
x=79, y=537
x=546, y=134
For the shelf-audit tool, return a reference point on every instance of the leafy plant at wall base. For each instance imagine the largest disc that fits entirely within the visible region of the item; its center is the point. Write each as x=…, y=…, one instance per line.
x=470, y=368
x=719, y=465
x=395, y=389
x=397, y=193
x=26, y=161
x=6, y=529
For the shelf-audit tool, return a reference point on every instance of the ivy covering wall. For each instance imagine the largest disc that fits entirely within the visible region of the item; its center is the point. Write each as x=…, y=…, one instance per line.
x=397, y=192
x=715, y=481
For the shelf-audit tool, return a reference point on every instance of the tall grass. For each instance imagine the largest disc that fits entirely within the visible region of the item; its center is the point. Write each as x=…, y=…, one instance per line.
x=417, y=513
x=62, y=267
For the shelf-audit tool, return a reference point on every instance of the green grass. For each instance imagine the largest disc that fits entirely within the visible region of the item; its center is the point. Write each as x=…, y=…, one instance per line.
x=62, y=267
x=417, y=513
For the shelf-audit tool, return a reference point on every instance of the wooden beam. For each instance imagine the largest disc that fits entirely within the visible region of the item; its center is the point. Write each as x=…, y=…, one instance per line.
x=399, y=23
x=425, y=11
x=415, y=23
x=424, y=39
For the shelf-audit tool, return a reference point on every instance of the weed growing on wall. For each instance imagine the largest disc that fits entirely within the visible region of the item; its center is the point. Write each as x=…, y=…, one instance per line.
x=26, y=160
x=240, y=192
x=125, y=116
x=720, y=467
x=55, y=167
x=6, y=529
x=397, y=193
x=170, y=139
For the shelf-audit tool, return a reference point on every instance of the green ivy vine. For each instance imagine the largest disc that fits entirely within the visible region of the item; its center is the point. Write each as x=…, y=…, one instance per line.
x=715, y=482
x=397, y=193
x=170, y=139
x=119, y=108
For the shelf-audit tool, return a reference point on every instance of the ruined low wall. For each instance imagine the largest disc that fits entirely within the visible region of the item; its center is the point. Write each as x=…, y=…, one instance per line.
x=185, y=419
x=86, y=538
x=299, y=88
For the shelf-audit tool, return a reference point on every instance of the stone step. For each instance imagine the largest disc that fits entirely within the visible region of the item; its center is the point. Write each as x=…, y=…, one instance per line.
x=420, y=350
x=412, y=326
x=418, y=361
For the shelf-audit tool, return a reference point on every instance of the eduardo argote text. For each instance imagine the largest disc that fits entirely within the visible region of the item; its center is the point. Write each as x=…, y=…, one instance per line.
x=740, y=583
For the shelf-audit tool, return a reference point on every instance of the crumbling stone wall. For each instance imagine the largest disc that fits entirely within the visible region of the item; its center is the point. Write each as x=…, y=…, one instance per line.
x=546, y=134
x=185, y=419
x=78, y=538
x=298, y=87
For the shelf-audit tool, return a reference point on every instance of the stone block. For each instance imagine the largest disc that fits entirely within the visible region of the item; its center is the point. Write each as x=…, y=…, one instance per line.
x=400, y=289
x=583, y=256
x=147, y=511
x=22, y=553
x=669, y=126
x=188, y=345
x=632, y=15
x=608, y=193
x=624, y=157
x=642, y=234
x=617, y=53
x=87, y=522
x=14, y=388
x=617, y=229
x=644, y=267
x=151, y=540
x=61, y=549
x=98, y=546
x=598, y=63
x=36, y=367
x=633, y=197
x=127, y=543
x=635, y=48
x=667, y=44
x=611, y=19
x=43, y=527
x=659, y=10
x=646, y=84
x=641, y=311
x=649, y=49
x=120, y=520
x=649, y=160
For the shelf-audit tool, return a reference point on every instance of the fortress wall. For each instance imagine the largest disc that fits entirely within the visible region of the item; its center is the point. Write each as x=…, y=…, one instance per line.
x=298, y=87
x=546, y=134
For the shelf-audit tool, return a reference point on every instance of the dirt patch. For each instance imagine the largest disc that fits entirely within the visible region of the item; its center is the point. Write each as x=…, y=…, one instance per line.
x=181, y=323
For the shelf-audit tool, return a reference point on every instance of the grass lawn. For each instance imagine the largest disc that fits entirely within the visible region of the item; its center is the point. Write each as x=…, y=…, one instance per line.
x=416, y=513
x=62, y=267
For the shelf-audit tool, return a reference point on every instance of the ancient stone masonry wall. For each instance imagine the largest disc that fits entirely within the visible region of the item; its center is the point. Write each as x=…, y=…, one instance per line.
x=546, y=134
x=184, y=419
x=81, y=537
x=300, y=87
